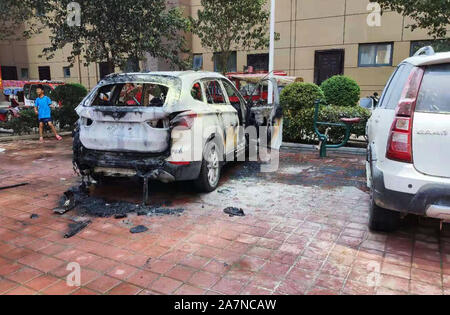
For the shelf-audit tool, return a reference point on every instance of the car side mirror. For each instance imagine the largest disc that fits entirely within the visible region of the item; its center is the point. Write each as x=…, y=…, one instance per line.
x=367, y=103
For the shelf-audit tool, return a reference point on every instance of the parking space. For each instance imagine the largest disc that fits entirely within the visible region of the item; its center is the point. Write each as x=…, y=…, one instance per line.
x=304, y=232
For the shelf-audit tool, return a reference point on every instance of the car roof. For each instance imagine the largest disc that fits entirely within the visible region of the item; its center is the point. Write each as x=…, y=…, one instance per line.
x=427, y=60
x=183, y=75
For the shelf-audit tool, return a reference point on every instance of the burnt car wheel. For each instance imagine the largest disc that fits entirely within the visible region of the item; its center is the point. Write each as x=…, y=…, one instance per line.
x=211, y=168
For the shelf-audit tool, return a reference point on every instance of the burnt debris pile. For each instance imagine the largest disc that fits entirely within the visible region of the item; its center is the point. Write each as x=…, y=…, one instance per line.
x=78, y=199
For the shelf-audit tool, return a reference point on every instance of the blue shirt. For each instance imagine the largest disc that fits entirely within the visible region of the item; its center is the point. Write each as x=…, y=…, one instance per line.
x=43, y=105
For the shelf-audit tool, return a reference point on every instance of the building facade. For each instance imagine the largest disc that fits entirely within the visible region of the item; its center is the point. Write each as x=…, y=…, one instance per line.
x=318, y=38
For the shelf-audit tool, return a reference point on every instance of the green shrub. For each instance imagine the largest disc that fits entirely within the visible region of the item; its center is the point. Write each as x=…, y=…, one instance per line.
x=24, y=124
x=341, y=91
x=300, y=127
x=298, y=96
x=69, y=95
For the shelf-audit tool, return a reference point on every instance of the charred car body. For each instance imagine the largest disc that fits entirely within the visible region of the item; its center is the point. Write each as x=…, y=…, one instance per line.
x=168, y=126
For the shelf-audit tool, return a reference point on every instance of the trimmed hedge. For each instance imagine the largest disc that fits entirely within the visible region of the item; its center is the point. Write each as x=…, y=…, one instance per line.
x=298, y=96
x=300, y=127
x=70, y=95
x=341, y=91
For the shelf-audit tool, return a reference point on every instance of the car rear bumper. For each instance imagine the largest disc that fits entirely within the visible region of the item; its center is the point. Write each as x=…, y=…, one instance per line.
x=425, y=201
x=128, y=164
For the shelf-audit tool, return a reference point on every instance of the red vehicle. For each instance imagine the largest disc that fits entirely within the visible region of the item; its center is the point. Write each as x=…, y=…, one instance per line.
x=247, y=84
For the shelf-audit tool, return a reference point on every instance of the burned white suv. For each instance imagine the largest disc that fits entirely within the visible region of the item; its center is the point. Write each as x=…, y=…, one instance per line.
x=167, y=126
x=408, y=167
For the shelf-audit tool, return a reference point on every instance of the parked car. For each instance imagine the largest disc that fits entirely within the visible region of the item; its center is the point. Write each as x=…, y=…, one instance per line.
x=143, y=124
x=409, y=143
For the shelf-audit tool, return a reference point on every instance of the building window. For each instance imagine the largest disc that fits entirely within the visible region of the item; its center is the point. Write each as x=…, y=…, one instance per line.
x=9, y=73
x=24, y=73
x=259, y=62
x=66, y=72
x=232, y=63
x=439, y=45
x=197, y=62
x=375, y=55
x=44, y=73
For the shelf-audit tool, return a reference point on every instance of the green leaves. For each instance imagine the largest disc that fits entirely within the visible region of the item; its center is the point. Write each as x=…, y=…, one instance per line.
x=432, y=15
x=115, y=31
x=222, y=25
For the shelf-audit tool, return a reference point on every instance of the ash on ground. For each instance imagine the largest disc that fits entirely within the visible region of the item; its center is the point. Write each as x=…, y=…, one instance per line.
x=86, y=205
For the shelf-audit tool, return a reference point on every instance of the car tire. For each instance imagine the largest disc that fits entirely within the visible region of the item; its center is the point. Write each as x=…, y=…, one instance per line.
x=380, y=219
x=210, y=171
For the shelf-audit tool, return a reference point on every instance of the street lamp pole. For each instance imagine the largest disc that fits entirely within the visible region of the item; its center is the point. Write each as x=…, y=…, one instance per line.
x=271, y=48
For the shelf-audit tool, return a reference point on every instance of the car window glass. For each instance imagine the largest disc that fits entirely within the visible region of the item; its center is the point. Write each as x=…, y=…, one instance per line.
x=434, y=95
x=395, y=89
x=233, y=95
x=196, y=92
x=214, y=94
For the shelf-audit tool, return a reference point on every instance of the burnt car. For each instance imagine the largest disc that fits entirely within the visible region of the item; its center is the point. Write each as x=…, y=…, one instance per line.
x=168, y=126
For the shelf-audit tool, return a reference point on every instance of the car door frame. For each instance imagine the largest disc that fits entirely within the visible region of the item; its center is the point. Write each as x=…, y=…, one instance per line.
x=228, y=118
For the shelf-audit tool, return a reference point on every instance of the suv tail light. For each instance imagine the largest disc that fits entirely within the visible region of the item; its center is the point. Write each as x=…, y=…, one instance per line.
x=184, y=120
x=400, y=140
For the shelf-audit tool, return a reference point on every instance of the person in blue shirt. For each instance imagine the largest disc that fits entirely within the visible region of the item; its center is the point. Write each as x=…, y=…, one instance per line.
x=44, y=112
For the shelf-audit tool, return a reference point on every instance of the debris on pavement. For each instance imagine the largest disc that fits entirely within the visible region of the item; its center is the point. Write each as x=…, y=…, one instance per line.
x=34, y=216
x=66, y=203
x=13, y=186
x=2, y=150
x=234, y=212
x=138, y=229
x=77, y=227
x=86, y=205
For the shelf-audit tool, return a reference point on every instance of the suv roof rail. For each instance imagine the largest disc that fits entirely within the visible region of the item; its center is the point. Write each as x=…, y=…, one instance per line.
x=427, y=51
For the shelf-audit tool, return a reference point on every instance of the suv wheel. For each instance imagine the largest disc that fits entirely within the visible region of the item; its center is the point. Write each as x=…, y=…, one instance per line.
x=211, y=168
x=381, y=219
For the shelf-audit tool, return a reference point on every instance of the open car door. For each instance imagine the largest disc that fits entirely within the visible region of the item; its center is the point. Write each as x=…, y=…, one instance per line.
x=267, y=114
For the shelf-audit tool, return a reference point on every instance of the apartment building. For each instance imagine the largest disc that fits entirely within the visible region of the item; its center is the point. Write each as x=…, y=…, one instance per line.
x=318, y=38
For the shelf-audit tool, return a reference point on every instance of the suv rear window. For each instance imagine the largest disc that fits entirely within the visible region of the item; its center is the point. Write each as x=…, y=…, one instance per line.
x=434, y=95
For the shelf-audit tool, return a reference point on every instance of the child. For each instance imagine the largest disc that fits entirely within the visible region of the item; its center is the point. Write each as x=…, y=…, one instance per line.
x=42, y=108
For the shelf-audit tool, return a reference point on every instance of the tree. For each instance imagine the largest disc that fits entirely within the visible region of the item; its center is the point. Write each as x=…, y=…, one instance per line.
x=117, y=31
x=432, y=15
x=14, y=14
x=224, y=24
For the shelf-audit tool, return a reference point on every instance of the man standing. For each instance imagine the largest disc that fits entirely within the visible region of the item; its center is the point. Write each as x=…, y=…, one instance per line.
x=42, y=108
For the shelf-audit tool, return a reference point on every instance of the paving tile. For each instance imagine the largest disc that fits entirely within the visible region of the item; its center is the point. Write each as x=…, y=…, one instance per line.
x=103, y=284
x=125, y=289
x=203, y=279
x=228, y=286
x=165, y=285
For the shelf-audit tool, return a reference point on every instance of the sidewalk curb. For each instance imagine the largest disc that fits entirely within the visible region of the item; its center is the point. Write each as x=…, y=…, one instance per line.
x=310, y=147
x=31, y=137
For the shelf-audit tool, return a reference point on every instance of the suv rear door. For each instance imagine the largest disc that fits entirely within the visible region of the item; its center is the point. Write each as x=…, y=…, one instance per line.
x=431, y=127
x=126, y=118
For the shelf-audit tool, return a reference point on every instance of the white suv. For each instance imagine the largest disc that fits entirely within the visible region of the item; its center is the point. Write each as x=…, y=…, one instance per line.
x=408, y=165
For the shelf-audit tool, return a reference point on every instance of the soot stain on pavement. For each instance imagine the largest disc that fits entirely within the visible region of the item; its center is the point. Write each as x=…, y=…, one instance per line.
x=86, y=205
x=314, y=172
